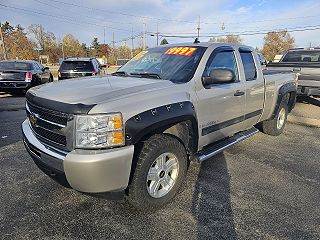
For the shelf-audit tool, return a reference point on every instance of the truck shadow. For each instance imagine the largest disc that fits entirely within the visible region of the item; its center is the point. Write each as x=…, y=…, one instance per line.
x=211, y=202
x=309, y=100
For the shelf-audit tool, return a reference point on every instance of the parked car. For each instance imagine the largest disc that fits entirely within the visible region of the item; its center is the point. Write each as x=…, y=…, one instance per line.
x=78, y=67
x=22, y=74
x=137, y=130
x=307, y=62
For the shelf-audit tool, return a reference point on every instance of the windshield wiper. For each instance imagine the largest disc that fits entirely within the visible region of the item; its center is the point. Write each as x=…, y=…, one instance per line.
x=147, y=75
x=119, y=73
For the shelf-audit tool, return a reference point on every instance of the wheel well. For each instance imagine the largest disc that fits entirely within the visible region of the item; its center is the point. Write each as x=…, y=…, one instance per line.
x=291, y=100
x=186, y=133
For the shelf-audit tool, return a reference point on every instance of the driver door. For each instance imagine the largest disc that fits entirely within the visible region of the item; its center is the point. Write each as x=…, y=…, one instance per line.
x=221, y=106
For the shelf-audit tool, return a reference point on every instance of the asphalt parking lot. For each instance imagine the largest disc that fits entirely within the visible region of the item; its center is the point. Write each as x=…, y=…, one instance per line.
x=263, y=188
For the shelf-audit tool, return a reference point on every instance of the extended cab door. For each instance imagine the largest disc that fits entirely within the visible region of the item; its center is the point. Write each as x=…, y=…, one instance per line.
x=254, y=86
x=220, y=108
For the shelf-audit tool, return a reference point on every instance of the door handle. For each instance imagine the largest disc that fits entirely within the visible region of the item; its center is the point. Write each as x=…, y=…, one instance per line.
x=238, y=93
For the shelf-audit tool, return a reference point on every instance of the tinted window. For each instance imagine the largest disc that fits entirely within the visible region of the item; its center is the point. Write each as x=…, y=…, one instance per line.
x=248, y=65
x=15, y=66
x=302, y=56
x=222, y=60
x=37, y=66
x=77, y=66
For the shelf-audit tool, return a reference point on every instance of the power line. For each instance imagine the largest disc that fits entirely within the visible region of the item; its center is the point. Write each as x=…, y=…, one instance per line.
x=123, y=13
x=86, y=16
x=58, y=17
x=265, y=20
x=243, y=33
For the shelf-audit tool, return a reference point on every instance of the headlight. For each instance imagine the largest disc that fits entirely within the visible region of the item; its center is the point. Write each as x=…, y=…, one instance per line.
x=99, y=131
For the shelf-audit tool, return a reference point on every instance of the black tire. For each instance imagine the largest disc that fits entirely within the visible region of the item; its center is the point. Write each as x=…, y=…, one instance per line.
x=271, y=127
x=152, y=148
x=51, y=78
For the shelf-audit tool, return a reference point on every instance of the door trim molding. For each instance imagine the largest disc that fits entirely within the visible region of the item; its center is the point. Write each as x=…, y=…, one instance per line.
x=218, y=126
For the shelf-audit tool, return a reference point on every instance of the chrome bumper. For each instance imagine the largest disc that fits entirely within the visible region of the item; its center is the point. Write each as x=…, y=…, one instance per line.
x=91, y=171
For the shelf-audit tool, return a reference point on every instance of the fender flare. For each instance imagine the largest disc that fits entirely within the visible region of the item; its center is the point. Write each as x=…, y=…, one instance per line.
x=158, y=119
x=286, y=88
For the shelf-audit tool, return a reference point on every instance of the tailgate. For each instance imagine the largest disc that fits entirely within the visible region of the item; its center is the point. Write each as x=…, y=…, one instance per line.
x=12, y=75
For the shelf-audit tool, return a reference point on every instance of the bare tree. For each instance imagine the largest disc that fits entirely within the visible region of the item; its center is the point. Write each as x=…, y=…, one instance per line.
x=42, y=38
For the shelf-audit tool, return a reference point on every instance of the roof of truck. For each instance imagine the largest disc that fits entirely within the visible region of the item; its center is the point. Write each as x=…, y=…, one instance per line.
x=205, y=44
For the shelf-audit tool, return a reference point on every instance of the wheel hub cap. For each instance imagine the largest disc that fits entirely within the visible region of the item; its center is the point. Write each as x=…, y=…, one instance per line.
x=281, y=118
x=162, y=175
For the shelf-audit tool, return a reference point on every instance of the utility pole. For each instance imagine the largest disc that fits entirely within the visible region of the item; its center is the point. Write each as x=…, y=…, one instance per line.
x=62, y=49
x=3, y=44
x=104, y=35
x=198, y=28
x=113, y=50
x=132, y=46
x=144, y=36
x=157, y=33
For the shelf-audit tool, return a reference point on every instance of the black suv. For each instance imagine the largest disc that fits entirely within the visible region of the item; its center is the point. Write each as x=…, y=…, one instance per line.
x=78, y=67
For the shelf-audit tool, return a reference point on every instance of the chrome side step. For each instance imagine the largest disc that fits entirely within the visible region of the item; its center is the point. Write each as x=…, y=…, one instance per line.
x=213, y=150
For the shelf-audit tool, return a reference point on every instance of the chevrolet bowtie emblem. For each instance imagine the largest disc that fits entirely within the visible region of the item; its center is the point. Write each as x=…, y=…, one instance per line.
x=33, y=118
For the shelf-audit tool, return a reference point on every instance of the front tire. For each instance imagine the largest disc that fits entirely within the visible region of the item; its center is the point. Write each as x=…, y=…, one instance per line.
x=161, y=167
x=276, y=125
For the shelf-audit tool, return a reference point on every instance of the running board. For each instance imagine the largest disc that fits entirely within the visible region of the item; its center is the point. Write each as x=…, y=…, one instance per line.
x=213, y=150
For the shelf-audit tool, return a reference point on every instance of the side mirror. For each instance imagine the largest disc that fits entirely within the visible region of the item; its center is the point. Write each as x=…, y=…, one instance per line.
x=219, y=76
x=45, y=68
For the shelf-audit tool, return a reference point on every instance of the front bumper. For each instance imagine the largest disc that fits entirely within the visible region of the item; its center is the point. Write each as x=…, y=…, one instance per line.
x=14, y=85
x=90, y=171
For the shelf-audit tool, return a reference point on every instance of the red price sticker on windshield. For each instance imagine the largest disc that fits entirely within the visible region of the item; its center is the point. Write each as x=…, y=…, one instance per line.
x=183, y=51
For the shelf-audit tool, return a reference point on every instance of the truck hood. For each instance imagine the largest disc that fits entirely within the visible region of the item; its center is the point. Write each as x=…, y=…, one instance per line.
x=96, y=90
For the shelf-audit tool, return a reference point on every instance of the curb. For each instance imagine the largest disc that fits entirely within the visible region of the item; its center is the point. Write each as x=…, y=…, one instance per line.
x=310, y=122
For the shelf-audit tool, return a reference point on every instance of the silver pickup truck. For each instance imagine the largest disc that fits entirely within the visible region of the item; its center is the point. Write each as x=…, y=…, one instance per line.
x=136, y=130
x=307, y=62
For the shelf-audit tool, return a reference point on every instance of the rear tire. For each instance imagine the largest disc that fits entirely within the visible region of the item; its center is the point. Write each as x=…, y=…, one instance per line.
x=160, y=170
x=276, y=125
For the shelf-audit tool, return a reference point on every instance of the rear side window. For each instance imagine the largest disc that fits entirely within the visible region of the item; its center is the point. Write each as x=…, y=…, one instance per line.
x=223, y=60
x=302, y=56
x=15, y=66
x=250, y=70
x=77, y=66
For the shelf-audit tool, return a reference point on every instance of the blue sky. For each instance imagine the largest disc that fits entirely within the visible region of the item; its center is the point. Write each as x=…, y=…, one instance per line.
x=88, y=19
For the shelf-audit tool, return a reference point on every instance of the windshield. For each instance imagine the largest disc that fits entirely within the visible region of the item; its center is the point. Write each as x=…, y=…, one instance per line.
x=177, y=64
x=15, y=66
x=302, y=56
x=77, y=66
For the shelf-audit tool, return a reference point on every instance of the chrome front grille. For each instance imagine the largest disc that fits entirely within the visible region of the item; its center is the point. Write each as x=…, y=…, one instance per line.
x=49, y=126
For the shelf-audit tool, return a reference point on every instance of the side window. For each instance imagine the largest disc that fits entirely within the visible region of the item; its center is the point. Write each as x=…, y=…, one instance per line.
x=225, y=59
x=249, y=66
x=94, y=63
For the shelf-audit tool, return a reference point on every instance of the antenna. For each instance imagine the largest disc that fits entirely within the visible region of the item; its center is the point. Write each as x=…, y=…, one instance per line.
x=198, y=28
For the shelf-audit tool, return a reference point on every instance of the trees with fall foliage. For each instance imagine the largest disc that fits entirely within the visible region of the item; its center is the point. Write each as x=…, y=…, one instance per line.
x=276, y=43
x=16, y=42
x=72, y=47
